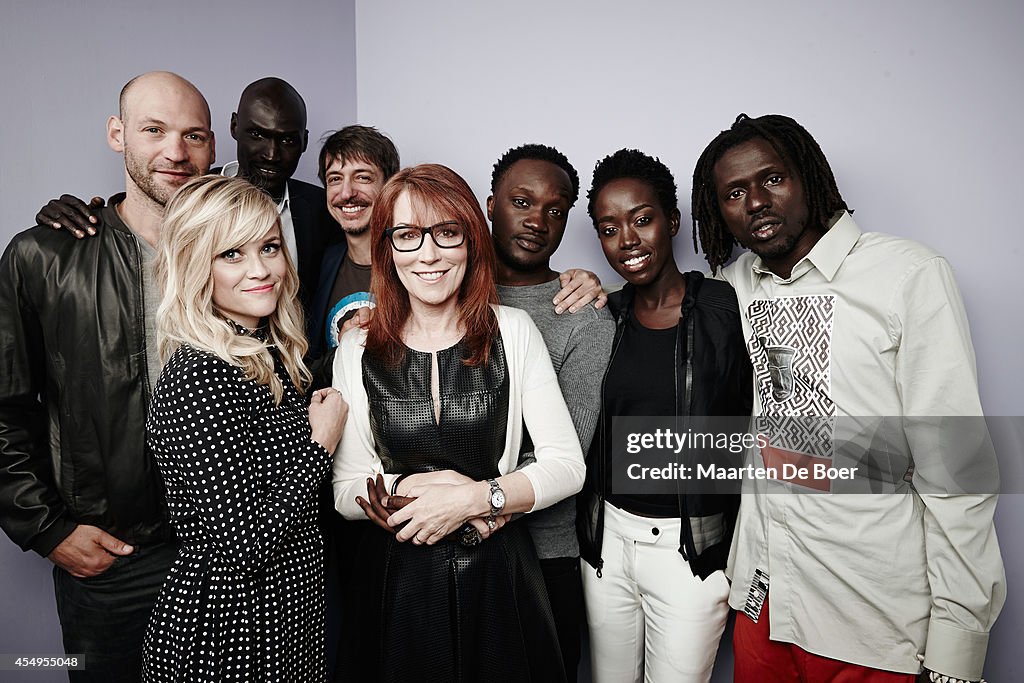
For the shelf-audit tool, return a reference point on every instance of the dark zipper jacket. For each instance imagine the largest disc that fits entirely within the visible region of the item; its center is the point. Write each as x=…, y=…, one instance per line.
x=713, y=377
x=74, y=389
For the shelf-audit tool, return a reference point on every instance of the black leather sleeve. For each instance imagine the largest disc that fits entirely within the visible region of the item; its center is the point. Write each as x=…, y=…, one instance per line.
x=32, y=512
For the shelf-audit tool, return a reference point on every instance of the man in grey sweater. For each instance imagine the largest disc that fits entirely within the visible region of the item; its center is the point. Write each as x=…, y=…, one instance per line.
x=532, y=189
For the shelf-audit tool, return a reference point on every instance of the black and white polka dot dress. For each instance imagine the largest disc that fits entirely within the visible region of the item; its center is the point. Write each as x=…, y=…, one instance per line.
x=244, y=599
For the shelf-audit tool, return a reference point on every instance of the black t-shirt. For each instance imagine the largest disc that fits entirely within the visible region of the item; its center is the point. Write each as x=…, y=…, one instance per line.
x=641, y=381
x=351, y=292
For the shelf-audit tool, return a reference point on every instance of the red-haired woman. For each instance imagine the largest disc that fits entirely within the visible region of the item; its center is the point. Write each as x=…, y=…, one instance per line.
x=443, y=384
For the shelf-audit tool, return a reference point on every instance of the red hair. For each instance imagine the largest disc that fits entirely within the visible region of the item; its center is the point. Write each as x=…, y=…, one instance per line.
x=439, y=190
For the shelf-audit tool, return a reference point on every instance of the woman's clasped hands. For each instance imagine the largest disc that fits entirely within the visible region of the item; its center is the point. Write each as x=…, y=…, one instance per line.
x=433, y=506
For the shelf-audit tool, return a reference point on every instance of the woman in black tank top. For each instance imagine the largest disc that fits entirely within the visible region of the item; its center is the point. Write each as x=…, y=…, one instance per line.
x=656, y=596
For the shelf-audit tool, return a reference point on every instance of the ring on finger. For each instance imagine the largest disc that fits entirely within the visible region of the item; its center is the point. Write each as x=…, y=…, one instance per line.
x=492, y=523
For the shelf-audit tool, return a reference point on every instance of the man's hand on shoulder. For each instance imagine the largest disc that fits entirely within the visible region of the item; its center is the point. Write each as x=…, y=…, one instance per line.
x=72, y=214
x=579, y=288
x=88, y=551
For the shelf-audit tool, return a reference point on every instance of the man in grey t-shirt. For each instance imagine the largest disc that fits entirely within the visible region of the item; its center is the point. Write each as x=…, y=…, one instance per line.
x=532, y=189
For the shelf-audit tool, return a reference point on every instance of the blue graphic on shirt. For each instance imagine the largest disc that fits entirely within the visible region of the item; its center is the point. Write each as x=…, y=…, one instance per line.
x=342, y=311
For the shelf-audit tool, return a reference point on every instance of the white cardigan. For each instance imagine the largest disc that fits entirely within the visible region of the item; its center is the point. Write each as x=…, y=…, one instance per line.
x=534, y=398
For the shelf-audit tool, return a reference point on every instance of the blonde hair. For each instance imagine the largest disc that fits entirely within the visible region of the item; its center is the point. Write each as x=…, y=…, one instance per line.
x=206, y=217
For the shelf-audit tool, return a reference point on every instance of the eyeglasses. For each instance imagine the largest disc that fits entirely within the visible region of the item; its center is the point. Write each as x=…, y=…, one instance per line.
x=446, y=235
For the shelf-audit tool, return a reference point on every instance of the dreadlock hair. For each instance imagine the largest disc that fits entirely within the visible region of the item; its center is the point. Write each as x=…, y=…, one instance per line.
x=798, y=149
x=538, y=153
x=632, y=163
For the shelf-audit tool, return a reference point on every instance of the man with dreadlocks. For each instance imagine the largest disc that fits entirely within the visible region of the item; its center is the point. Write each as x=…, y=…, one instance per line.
x=842, y=324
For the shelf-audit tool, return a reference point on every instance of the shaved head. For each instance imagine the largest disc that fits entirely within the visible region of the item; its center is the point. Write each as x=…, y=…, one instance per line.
x=275, y=90
x=270, y=129
x=159, y=79
x=164, y=133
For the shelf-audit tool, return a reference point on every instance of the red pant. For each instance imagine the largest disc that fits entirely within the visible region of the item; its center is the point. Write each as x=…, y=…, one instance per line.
x=760, y=660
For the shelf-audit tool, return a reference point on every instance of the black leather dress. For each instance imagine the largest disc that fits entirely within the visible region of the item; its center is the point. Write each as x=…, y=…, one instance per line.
x=447, y=612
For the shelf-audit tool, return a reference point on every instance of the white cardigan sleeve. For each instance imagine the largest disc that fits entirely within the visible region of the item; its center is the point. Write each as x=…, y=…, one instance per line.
x=536, y=399
x=355, y=459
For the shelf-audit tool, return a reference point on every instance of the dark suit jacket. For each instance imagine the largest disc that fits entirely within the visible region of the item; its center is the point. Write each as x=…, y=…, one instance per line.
x=315, y=231
x=331, y=264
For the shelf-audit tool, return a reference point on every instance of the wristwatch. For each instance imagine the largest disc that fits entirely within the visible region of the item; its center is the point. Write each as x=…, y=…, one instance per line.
x=496, y=498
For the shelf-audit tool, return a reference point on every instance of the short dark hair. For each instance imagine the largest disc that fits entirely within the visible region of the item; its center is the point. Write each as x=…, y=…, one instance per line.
x=359, y=142
x=794, y=144
x=537, y=153
x=632, y=163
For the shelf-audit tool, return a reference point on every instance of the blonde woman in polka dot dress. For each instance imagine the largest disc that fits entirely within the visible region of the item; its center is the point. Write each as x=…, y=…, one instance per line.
x=239, y=451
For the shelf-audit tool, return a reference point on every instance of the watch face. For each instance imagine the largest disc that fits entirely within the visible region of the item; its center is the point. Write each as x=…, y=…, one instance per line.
x=498, y=499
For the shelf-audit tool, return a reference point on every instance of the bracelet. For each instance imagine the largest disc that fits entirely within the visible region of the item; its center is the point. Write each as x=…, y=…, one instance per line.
x=394, y=484
x=936, y=677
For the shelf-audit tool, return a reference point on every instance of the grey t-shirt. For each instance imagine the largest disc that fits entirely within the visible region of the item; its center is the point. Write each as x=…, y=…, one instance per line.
x=150, y=302
x=579, y=345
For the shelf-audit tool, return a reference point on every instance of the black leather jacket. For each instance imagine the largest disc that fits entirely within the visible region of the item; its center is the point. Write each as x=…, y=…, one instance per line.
x=74, y=389
x=713, y=378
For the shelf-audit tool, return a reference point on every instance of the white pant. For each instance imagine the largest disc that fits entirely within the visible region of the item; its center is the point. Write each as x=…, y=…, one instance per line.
x=648, y=616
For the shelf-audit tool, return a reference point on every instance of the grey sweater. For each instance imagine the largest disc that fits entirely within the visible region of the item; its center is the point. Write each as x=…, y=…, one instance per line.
x=580, y=345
